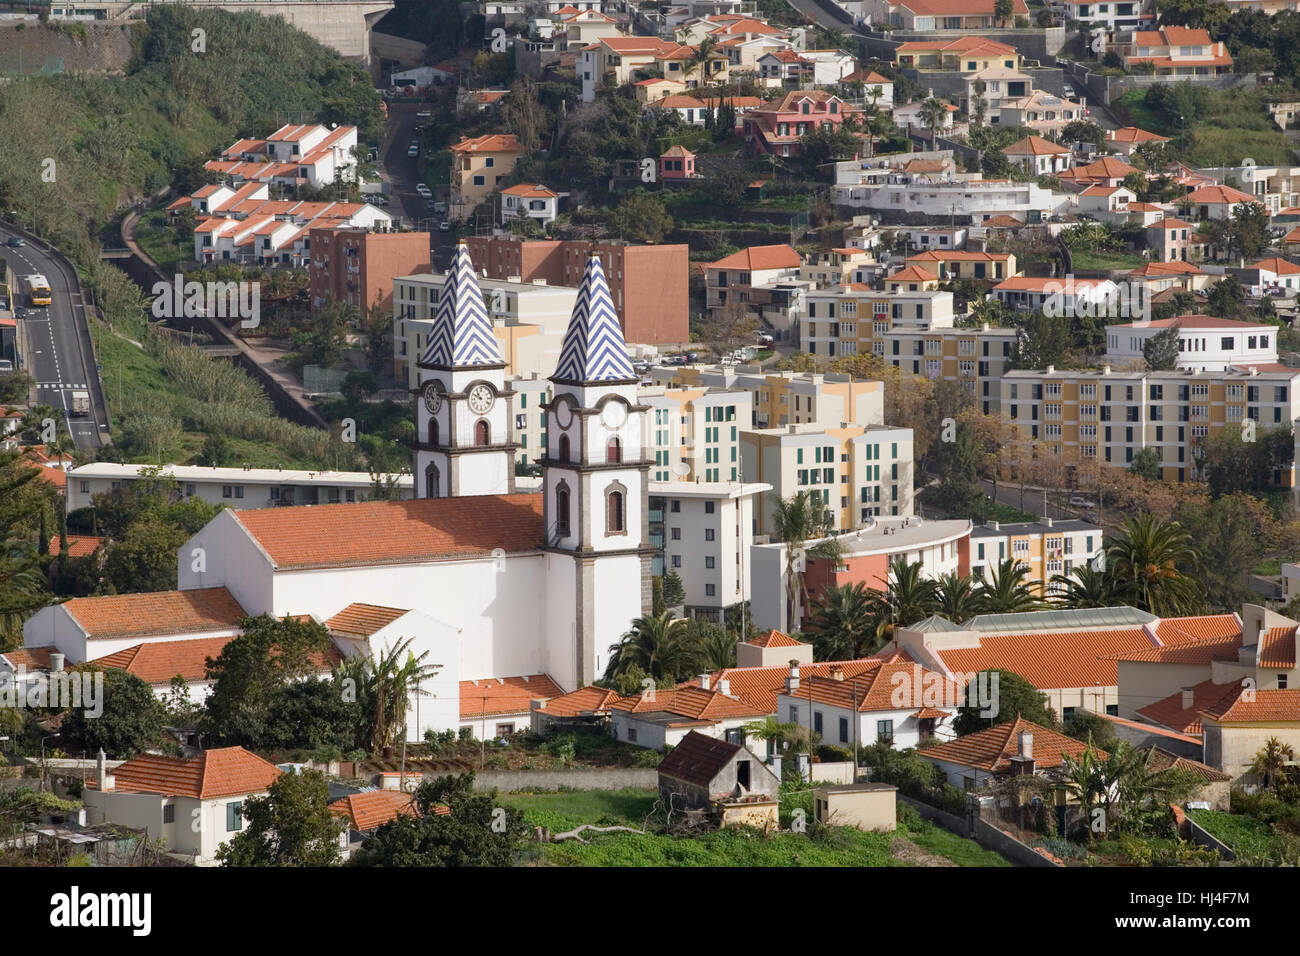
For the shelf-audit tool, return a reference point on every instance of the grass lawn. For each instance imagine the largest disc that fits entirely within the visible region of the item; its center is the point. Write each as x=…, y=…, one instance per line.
x=834, y=847
x=1272, y=566
x=1234, y=125
x=1246, y=835
x=160, y=241
x=1085, y=261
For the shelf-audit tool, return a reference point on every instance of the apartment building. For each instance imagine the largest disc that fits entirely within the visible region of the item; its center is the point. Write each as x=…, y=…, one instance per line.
x=294, y=154
x=648, y=283
x=704, y=531
x=478, y=166
x=528, y=430
x=972, y=201
x=859, y=472
x=358, y=267
x=277, y=232
x=1205, y=343
x=242, y=488
x=785, y=398
x=1176, y=52
x=1104, y=415
x=695, y=432
x=939, y=15
x=1108, y=15
x=1048, y=547
x=1277, y=187
x=733, y=279
x=528, y=318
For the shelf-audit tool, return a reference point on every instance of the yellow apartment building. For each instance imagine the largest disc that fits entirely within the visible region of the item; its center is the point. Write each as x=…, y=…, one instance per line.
x=478, y=166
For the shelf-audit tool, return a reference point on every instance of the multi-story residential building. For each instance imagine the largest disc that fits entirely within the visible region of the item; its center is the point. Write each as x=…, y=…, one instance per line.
x=876, y=89
x=970, y=201
x=358, y=267
x=733, y=279
x=1044, y=112
x=1048, y=548
x=1277, y=187
x=992, y=87
x=1175, y=240
x=1205, y=343
x=938, y=546
x=695, y=432
x=613, y=59
x=950, y=264
x=277, y=232
x=648, y=282
x=1068, y=296
x=1176, y=52
x=294, y=154
x=704, y=531
x=1105, y=416
x=834, y=269
x=1108, y=14
x=233, y=487
x=478, y=166
x=785, y=398
x=859, y=472
x=528, y=320
x=528, y=430
x=968, y=54
x=936, y=15
x=777, y=129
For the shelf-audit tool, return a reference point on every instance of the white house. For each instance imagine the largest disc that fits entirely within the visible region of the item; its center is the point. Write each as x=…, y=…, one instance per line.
x=661, y=718
x=1205, y=342
x=529, y=201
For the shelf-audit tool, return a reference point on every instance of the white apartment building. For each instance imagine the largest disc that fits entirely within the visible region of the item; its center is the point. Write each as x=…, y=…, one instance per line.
x=233, y=487
x=695, y=432
x=704, y=531
x=1205, y=343
x=969, y=201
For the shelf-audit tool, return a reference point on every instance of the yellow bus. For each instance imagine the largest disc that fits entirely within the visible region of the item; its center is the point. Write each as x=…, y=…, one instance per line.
x=38, y=290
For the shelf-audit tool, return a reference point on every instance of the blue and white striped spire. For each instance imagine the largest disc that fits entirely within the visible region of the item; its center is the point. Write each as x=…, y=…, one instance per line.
x=594, y=349
x=462, y=332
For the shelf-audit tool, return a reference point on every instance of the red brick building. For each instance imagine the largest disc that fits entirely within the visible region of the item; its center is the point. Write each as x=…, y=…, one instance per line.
x=358, y=267
x=647, y=282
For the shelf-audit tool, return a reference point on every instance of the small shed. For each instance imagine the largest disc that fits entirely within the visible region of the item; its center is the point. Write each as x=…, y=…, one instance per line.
x=703, y=773
x=866, y=806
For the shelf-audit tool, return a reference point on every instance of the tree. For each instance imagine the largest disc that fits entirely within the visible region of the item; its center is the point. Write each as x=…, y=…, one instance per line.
x=934, y=114
x=325, y=337
x=1155, y=566
x=1083, y=131
x=843, y=622
x=252, y=668
x=1226, y=298
x=1237, y=530
x=131, y=722
x=1146, y=464
x=658, y=645
x=1086, y=586
x=674, y=590
x=1247, y=231
x=979, y=104
x=955, y=597
x=1002, y=9
x=910, y=597
x=477, y=831
x=22, y=586
x=1041, y=340
x=522, y=115
x=959, y=491
x=808, y=529
x=386, y=684
x=144, y=559
x=1015, y=697
x=216, y=451
x=1270, y=761
x=640, y=217
x=1086, y=726
x=1160, y=352
x=728, y=328
x=1007, y=589
x=291, y=826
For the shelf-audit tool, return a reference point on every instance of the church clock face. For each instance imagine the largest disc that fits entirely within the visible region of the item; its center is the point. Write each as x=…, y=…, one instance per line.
x=481, y=399
x=613, y=415
x=433, y=397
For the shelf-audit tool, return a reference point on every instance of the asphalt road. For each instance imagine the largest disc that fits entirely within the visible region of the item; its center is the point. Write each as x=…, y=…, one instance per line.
x=404, y=172
x=60, y=364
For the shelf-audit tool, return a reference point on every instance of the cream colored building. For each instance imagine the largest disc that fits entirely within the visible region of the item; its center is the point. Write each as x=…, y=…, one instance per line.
x=478, y=167
x=863, y=806
x=788, y=398
x=1047, y=547
x=695, y=432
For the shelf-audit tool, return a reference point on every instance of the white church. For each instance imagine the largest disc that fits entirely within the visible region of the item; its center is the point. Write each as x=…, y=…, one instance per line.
x=513, y=595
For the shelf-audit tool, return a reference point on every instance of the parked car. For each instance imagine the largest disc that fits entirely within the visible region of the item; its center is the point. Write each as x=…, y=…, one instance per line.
x=378, y=199
x=440, y=207
x=424, y=190
x=444, y=226
x=766, y=340
x=413, y=150
x=1077, y=501
x=17, y=241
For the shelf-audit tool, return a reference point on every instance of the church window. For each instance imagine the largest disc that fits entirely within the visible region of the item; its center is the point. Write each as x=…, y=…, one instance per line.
x=431, y=482
x=433, y=432
x=564, y=448
x=482, y=432
x=615, y=513
x=562, y=510
x=614, y=450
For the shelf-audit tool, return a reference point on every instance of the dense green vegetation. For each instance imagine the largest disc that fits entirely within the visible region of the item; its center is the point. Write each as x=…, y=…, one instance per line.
x=1209, y=127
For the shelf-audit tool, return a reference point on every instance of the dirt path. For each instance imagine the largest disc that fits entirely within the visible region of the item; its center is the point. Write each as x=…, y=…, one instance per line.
x=904, y=849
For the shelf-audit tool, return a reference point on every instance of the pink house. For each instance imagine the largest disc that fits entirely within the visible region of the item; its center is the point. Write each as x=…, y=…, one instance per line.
x=776, y=129
x=677, y=162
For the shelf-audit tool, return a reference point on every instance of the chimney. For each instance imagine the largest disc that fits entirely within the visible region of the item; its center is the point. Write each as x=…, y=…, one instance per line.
x=1189, y=697
x=1049, y=521
x=724, y=687
x=106, y=782
x=1051, y=369
x=792, y=679
x=994, y=525
x=1026, y=745
x=837, y=673
x=1105, y=370
x=56, y=663
x=704, y=681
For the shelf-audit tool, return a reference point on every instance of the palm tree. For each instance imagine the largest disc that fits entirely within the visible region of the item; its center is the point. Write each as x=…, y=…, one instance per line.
x=774, y=733
x=700, y=58
x=843, y=622
x=799, y=520
x=389, y=682
x=1086, y=586
x=909, y=598
x=955, y=597
x=657, y=646
x=1147, y=557
x=1270, y=760
x=716, y=648
x=1007, y=590
x=933, y=114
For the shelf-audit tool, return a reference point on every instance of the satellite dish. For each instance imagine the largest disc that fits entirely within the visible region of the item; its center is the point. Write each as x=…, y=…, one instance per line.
x=681, y=469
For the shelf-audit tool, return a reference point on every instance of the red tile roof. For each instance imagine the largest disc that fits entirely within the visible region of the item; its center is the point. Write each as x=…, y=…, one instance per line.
x=225, y=772
x=158, y=662
x=992, y=749
x=1219, y=195
x=760, y=258
x=1059, y=659
x=1132, y=134
x=374, y=808
x=1276, y=265
x=1035, y=146
x=364, y=619
x=775, y=638
x=692, y=702
x=492, y=143
x=29, y=658
x=157, y=612
x=396, y=532
x=1242, y=706
x=899, y=686
x=758, y=686
x=1169, y=711
x=494, y=696
x=1277, y=647
x=585, y=701
x=82, y=545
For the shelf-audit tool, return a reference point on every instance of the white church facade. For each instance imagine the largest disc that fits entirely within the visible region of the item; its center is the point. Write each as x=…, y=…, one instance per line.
x=493, y=584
